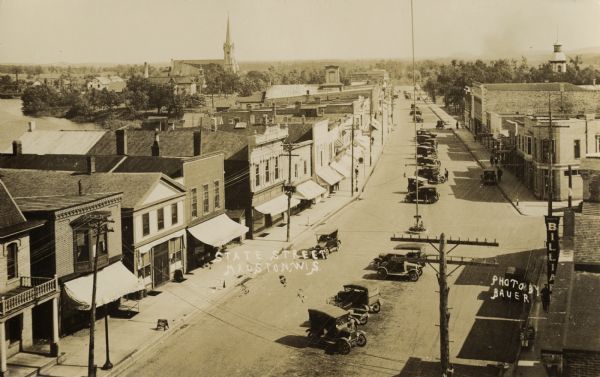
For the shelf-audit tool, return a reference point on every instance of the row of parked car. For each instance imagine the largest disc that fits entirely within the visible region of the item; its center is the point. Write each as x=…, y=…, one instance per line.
x=422, y=187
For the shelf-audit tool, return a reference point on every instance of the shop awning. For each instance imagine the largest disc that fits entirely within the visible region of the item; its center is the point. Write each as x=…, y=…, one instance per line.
x=309, y=190
x=277, y=205
x=330, y=176
x=113, y=282
x=343, y=166
x=217, y=231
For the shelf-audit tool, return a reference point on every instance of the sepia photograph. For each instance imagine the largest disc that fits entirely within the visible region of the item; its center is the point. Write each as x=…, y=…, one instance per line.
x=302, y=188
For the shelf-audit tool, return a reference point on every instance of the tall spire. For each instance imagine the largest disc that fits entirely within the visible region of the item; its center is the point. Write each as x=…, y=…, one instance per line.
x=227, y=37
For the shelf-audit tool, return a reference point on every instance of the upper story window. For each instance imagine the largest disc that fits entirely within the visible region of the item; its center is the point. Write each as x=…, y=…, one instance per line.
x=217, y=195
x=194, y=202
x=597, y=143
x=174, y=214
x=577, y=149
x=276, y=168
x=85, y=242
x=267, y=171
x=257, y=176
x=12, y=261
x=305, y=167
x=205, y=199
x=160, y=218
x=146, y=224
x=529, y=145
x=296, y=170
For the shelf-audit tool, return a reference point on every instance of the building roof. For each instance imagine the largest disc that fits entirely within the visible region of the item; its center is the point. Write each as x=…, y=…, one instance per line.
x=173, y=143
x=582, y=320
x=106, y=80
x=58, y=142
x=169, y=166
x=54, y=203
x=201, y=62
x=134, y=186
x=10, y=214
x=65, y=162
x=12, y=220
x=544, y=86
x=295, y=90
x=298, y=132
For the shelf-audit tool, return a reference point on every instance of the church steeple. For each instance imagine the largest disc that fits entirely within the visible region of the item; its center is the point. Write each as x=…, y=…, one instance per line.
x=228, y=47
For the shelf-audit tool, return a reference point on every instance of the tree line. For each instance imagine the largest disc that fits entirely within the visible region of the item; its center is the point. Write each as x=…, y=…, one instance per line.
x=449, y=80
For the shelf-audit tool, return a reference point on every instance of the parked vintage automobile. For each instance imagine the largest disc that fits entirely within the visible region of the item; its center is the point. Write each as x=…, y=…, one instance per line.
x=398, y=265
x=427, y=194
x=411, y=250
x=417, y=112
x=426, y=132
x=489, y=177
x=328, y=239
x=335, y=326
x=440, y=125
x=421, y=160
x=327, y=242
x=418, y=119
x=431, y=173
x=426, y=151
x=412, y=183
x=424, y=137
x=358, y=295
x=428, y=142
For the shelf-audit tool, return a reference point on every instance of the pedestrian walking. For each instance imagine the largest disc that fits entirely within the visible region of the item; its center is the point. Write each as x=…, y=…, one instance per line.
x=446, y=174
x=500, y=175
x=545, y=297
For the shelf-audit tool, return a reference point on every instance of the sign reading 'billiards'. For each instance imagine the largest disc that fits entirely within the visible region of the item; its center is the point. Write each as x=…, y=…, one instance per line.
x=552, y=247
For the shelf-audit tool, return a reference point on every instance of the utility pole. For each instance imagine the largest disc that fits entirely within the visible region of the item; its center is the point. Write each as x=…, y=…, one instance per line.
x=443, y=260
x=97, y=222
x=551, y=156
x=352, y=158
x=289, y=189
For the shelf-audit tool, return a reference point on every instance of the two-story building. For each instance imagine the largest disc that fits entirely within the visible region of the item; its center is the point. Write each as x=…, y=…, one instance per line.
x=29, y=303
x=573, y=138
x=324, y=152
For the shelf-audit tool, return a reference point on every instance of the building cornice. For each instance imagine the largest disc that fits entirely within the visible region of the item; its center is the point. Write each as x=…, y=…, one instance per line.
x=87, y=207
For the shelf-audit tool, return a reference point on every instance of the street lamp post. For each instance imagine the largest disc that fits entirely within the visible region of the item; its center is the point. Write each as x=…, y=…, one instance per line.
x=107, y=365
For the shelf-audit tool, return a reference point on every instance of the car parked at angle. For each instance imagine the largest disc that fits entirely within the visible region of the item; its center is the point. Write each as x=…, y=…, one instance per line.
x=327, y=242
x=335, y=326
x=397, y=264
x=426, y=194
x=358, y=295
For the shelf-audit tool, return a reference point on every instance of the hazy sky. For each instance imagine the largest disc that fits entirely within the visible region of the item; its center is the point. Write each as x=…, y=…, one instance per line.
x=134, y=31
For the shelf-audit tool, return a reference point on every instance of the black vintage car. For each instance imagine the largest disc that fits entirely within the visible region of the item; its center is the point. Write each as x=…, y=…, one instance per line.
x=427, y=194
x=489, y=177
x=426, y=132
x=428, y=142
x=421, y=160
x=395, y=264
x=426, y=151
x=412, y=183
x=335, y=326
x=431, y=173
x=440, y=125
x=358, y=295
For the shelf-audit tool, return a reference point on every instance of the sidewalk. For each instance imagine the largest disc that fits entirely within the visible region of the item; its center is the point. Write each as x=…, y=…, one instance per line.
x=511, y=188
x=202, y=290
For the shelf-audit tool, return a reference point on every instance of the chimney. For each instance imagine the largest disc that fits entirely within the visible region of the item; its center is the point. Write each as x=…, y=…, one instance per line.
x=274, y=110
x=121, y=141
x=79, y=187
x=17, y=147
x=156, y=145
x=197, y=142
x=91, y=164
x=145, y=70
x=31, y=127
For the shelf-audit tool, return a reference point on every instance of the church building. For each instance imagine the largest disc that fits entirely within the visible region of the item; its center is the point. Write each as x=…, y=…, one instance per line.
x=195, y=67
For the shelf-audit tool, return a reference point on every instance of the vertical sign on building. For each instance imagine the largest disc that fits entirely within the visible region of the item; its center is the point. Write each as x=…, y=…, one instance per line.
x=552, y=247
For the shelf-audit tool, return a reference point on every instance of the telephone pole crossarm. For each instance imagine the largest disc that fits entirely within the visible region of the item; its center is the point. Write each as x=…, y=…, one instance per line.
x=434, y=240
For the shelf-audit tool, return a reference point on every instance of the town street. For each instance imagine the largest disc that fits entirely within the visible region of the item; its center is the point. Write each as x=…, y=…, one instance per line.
x=261, y=331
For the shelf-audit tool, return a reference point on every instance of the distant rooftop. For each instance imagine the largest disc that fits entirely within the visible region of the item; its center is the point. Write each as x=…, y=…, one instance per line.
x=544, y=86
x=54, y=203
x=58, y=142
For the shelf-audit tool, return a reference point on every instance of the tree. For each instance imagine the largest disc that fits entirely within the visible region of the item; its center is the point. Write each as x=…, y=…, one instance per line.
x=39, y=98
x=136, y=100
x=160, y=96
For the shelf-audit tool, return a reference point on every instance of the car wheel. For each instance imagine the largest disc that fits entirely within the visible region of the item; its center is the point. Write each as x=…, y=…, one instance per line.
x=363, y=319
x=376, y=307
x=382, y=273
x=343, y=346
x=413, y=275
x=361, y=341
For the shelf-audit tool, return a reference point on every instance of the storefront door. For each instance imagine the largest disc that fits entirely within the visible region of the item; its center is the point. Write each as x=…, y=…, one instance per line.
x=160, y=262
